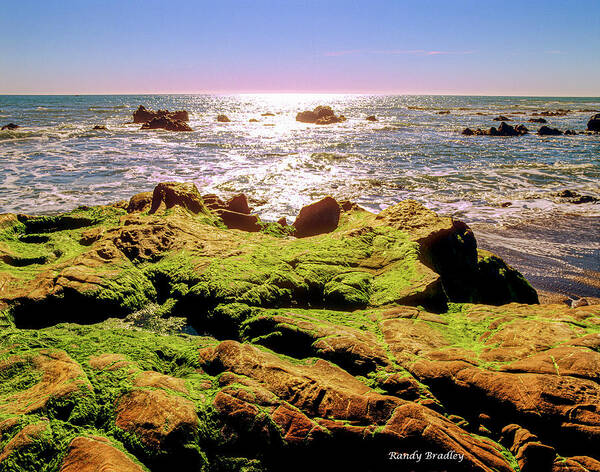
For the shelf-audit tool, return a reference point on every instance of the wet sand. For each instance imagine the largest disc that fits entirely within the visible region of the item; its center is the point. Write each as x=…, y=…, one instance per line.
x=559, y=254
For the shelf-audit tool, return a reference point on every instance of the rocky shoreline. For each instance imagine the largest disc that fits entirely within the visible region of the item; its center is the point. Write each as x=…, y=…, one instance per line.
x=328, y=343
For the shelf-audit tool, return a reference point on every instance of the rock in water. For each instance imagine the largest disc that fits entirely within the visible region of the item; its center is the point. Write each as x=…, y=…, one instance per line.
x=99, y=127
x=502, y=118
x=223, y=119
x=594, y=123
x=321, y=115
x=142, y=115
x=371, y=118
x=537, y=120
x=317, y=218
x=164, y=122
x=10, y=127
x=547, y=131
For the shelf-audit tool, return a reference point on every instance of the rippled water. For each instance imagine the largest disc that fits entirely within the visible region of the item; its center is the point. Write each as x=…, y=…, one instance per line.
x=56, y=161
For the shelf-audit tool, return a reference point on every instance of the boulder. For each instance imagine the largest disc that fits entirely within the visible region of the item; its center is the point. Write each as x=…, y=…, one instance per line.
x=143, y=115
x=223, y=119
x=99, y=127
x=10, y=126
x=443, y=112
x=468, y=132
x=537, y=120
x=502, y=118
x=317, y=218
x=241, y=221
x=371, y=118
x=321, y=115
x=164, y=122
x=183, y=194
x=238, y=204
x=547, y=131
x=140, y=202
x=253, y=120
x=268, y=114
x=592, y=125
x=571, y=132
x=503, y=130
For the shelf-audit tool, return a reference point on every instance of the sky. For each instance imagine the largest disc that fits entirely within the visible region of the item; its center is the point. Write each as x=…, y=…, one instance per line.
x=463, y=47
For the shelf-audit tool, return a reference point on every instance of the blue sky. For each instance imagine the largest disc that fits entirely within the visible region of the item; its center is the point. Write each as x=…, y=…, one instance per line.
x=456, y=47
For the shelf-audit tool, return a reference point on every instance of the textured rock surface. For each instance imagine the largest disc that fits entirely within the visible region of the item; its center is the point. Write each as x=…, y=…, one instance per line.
x=389, y=333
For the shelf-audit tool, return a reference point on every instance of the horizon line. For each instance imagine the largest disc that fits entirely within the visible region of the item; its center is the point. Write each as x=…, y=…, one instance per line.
x=475, y=94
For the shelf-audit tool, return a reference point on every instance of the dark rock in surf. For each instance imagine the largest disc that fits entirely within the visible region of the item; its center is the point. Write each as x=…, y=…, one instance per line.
x=371, y=118
x=164, y=122
x=547, y=131
x=571, y=196
x=10, y=126
x=223, y=119
x=502, y=118
x=99, y=127
x=538, y=120
x=321, y=115
x=143, y=115
x=593, y=124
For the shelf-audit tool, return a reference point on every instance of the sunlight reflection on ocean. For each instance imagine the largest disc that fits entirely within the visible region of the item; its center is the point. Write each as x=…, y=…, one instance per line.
x=55, y=161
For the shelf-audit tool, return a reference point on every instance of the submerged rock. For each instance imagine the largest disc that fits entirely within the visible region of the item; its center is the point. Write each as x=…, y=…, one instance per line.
x=321, y=115
x=537, y=120
x=502, y=118
x=142, y=115
x=571, y=196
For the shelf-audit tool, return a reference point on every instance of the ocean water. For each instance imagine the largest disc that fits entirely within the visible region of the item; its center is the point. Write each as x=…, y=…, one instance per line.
x=56, y=161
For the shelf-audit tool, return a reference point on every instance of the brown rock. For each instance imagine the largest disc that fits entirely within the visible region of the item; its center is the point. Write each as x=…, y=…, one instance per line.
x=238, y=204
x=99, y=127
x=96, y=455
x=156, y=417
x=317, y=218
x=61, y=378
x=371, y=118
x=502, y=118
x=538, y=120
x=530, y=453
x=157, y=380
x=213, y=202
x=241, y=221
x=223, y=119
x=10, y=127
x=322, y=115
x=142, y=115
x=282, y=221
x=253, y=120
x=184, y=194
x=164, y=122
x=139, y=202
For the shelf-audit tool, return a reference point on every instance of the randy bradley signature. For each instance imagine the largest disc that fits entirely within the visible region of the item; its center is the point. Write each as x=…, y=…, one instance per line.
x=418, y=456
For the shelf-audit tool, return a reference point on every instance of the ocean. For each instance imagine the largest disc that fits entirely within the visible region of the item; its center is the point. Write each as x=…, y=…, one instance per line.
x=55, y=161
